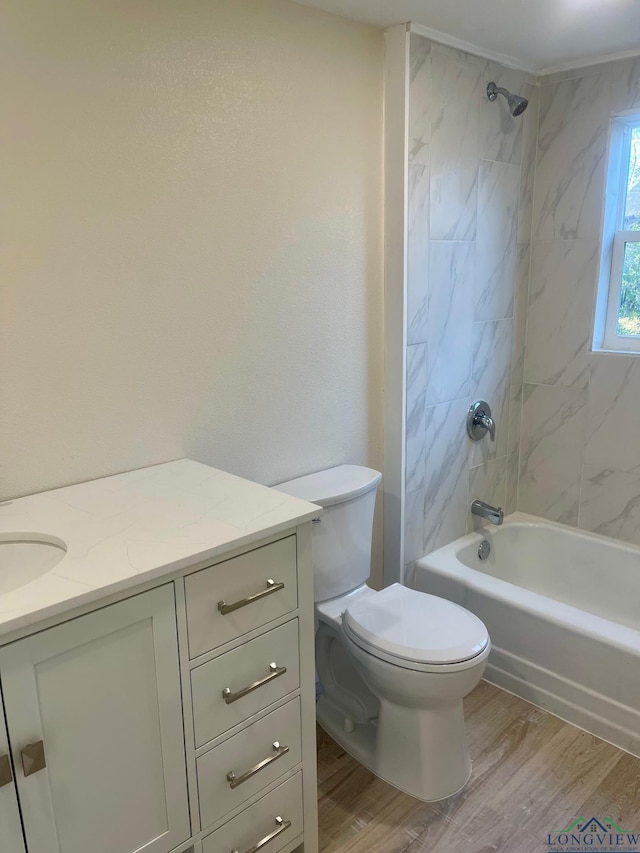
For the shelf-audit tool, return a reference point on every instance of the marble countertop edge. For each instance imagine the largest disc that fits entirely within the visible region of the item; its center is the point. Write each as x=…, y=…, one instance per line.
x=168, y=572
x=113, y=552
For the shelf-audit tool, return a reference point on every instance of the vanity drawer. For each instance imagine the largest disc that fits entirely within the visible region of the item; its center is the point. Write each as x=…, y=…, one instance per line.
x=227, y=600
x=278, y=815
x=247, y=666
x=257, y=756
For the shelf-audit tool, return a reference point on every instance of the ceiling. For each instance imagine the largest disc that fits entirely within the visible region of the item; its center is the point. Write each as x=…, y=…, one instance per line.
x=536, y=35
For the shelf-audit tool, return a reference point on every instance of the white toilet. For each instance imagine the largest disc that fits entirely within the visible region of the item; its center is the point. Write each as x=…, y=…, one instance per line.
x=393, y=665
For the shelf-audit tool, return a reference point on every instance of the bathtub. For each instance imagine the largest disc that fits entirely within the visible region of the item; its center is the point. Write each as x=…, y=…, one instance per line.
x=563, y=611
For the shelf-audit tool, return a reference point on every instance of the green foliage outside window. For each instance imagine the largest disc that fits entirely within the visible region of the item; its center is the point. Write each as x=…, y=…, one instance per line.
x=629, y=314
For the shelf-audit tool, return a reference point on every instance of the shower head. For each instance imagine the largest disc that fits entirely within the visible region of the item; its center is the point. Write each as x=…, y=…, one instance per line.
x=517, y=105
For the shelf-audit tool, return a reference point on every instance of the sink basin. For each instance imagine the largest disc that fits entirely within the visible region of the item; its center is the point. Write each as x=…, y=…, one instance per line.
x=26, y=556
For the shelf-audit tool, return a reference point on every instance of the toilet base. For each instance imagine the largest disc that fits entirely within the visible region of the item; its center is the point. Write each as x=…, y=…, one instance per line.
x=415, y=772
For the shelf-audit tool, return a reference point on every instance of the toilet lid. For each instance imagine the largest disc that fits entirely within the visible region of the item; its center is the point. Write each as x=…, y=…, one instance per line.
x=415, y=626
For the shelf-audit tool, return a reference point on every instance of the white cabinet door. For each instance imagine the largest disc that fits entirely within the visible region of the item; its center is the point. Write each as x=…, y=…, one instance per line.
x=10, y=826
x=99, y=696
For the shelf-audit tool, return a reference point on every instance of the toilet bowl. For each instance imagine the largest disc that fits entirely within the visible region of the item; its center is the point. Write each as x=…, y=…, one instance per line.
x=395, y=665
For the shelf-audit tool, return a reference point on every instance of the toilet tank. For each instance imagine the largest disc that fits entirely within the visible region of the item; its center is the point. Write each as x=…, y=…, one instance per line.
x=342, y=536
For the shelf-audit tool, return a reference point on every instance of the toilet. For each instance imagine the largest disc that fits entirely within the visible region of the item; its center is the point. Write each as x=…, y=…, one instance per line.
x=393, y=665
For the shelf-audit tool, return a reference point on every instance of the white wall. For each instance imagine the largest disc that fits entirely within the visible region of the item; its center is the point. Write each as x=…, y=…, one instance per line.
x=191, y=239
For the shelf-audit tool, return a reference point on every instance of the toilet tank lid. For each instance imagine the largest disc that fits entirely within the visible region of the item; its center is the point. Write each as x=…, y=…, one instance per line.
x=333, y=486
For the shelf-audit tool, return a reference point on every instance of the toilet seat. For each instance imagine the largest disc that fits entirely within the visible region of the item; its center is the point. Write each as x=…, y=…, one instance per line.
x=417, y=631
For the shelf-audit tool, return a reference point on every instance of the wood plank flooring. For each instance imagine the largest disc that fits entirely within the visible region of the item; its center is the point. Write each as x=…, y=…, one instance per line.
x=532, y=773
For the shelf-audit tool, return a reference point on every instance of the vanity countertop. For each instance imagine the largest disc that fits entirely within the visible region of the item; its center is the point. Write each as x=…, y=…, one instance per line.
x=136, y=527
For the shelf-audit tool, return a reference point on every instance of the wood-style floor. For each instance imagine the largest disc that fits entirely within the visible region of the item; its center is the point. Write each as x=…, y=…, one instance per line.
x=532, y=774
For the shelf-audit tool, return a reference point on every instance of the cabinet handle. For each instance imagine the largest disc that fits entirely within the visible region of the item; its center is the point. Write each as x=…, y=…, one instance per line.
x=272, y=586
x=282, y=824
x=234, y=780
x=275, y=672
x=33, y=759
x=6, y=774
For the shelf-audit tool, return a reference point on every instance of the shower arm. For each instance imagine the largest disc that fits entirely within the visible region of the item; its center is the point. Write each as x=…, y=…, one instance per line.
x=493, y=91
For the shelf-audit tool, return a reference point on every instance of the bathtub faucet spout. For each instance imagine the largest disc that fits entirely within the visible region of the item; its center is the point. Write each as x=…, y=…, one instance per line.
x=492, y=513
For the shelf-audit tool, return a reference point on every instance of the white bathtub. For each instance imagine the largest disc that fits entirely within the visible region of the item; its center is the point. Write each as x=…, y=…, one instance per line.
x=563, y=611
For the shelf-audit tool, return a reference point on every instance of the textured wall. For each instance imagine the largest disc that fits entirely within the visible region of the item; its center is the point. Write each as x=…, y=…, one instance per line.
x=191, y=239
x=470, y=196
x=580, y=449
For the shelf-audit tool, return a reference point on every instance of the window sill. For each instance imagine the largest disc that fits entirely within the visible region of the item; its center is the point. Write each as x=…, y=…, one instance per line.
x=605, y=351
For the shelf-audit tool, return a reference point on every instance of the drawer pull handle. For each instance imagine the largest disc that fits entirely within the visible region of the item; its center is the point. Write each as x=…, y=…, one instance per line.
x=6, y=774
x=234, y=780
x=33, y=759
x=272, y=586
x=275, y=671
x=282, y=824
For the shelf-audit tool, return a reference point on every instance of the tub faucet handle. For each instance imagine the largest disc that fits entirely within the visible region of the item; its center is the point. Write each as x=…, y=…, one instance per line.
x=489, y=424
x=480, y=422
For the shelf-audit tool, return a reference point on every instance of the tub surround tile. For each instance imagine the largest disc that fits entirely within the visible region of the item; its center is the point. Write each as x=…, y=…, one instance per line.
x=513, y=446
x=498, y=189
x=417, y=254
x=553, y=431
x=467, y=283
x=586, y=71
x=527, y=175
x=580, y=457
x=419, y=98
x=416, y=389
x=491, y=380
x=528, y=193
x=626, y=85
x=610, y=503
x=500, y=134
x=454, y=146
x=409, y=574
x=488, y=483
x=446, y=477
x=413, y=526
x=574, y=117
x=614, y=413
x=520, y=306
x=563, y=276
x=449, y=321
x=467, y=60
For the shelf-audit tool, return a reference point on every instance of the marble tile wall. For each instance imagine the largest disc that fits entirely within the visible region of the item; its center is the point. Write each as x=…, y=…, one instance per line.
x=471, y=170
x=580, y=453
x=503, y=252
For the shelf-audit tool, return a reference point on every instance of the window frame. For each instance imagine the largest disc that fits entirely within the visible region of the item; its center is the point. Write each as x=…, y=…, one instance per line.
x=612, y=339
x=615, y=238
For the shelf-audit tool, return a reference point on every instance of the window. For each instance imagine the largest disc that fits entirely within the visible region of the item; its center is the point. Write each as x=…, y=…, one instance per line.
x=619, y=296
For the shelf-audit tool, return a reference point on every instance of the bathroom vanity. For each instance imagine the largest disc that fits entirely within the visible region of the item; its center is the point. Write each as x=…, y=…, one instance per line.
x=157, y=681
